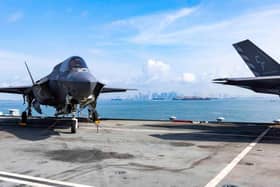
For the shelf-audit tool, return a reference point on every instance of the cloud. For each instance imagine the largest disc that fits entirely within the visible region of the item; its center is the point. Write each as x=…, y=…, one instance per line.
x=11, y=56
x=14, y=72
x=169, y=18
x=252, y=24
x=156, y=70
x=154, y=74
x=248, y=25
x=188, y=77
x=162, y=19
x=204, y=47
x=184, y=26
x=194, y=46
x=15, y=17
x=148, y=26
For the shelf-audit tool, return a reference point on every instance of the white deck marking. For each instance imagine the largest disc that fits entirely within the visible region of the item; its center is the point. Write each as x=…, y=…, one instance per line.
x=35, y=181
x=218, y=178
x=17, y=181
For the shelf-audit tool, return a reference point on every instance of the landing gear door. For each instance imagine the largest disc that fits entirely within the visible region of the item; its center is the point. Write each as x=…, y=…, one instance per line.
x=97, y=89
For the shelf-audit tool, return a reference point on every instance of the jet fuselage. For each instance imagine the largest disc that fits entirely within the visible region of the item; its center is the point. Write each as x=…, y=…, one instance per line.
x=70, y=83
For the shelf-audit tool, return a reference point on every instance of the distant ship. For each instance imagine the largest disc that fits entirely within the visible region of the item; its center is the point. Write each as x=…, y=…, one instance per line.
x=158, y=98
x=116, y=99
x=187, y=98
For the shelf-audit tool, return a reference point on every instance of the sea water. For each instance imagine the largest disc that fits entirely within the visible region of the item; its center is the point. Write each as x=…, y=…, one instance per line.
x=235, y=109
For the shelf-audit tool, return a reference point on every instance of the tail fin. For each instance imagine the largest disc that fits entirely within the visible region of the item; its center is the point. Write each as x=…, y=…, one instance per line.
x=257, y=60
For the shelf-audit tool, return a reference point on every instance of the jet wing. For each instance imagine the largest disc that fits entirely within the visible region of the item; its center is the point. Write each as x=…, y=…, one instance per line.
x=112, y=90
x=269, y=84
x=16, y=90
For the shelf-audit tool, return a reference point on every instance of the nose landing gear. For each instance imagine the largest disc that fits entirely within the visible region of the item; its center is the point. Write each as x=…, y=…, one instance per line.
x=74, y=125
x=92, y=113
x=94, y=116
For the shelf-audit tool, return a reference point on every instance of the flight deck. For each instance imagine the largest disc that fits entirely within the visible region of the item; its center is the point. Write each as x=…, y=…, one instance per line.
x=140, y=153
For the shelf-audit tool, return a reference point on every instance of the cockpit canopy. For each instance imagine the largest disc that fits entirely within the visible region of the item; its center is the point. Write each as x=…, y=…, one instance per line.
x=73, y=63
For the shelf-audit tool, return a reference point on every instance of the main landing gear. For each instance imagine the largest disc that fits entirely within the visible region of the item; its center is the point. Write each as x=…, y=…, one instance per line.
x=23, y=118
x=27, y=113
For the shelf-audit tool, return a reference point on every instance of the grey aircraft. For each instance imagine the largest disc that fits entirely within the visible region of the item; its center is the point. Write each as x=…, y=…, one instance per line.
x=69, y=87
x=265, y=69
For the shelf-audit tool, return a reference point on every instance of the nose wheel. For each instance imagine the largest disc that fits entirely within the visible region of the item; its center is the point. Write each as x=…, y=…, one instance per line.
x=74, y=125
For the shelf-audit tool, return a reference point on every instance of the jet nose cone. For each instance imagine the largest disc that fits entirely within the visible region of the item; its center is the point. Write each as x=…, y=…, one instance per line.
x=81, y=77
x=82, y=85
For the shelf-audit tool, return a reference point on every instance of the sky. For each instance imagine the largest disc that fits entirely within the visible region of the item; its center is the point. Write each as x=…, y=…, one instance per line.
x=154, y=46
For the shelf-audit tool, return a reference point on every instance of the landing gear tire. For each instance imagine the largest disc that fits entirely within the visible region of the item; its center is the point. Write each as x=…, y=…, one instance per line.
x=74, y=126
x=23, y=117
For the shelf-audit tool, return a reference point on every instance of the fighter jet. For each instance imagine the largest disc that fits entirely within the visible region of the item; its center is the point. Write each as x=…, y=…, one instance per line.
x=70, y=86
x=265, y=69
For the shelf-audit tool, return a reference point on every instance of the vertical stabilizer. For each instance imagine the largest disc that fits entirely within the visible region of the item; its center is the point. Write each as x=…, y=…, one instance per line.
x=257, y=60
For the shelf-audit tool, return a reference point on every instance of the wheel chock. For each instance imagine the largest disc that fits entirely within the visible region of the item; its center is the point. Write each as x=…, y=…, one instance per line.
x=22, y=124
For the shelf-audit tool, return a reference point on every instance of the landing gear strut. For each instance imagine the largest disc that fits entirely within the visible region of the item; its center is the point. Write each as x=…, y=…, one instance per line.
x=27, y=113
x=93, y=115
x=24, y=117
x=69, y=109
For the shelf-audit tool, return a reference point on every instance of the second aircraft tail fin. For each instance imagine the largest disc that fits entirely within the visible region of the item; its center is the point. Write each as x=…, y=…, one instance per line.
x=257, y=60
